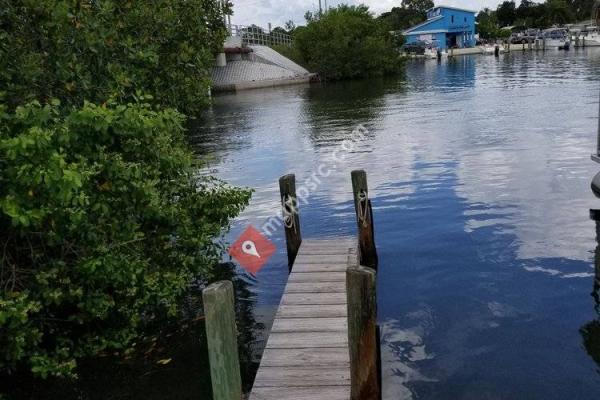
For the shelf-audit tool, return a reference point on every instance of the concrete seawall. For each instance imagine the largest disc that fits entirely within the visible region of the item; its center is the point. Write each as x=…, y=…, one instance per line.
x=257, y=67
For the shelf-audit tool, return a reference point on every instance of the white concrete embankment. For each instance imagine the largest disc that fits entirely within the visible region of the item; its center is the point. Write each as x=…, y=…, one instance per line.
x=262, y=67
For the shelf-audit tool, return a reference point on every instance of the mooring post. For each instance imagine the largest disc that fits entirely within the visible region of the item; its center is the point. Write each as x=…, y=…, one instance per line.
x=362, y=333
x=221, y=334
x=291, y=217
x=364, y=219
x=598, y=136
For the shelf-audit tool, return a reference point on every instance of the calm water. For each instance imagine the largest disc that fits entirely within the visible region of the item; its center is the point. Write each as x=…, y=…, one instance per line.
x=479, y=175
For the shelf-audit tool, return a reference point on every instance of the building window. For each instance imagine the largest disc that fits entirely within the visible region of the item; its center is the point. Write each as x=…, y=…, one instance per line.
x=452, y=19
x=465, y=19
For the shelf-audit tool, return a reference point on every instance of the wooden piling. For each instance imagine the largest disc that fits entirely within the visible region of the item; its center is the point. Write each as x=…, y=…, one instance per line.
x=598, y=136
x=291, y=217
x=364, y=219
x=221, y=333
x=362, y=333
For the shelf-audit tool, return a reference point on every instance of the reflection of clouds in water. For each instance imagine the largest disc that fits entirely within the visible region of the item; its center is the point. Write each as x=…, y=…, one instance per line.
x=405, y=342
x=541, y=201
x=401, y=350
x=336, y=185
x=500, y=310
x=560, y=274
x=540, y=175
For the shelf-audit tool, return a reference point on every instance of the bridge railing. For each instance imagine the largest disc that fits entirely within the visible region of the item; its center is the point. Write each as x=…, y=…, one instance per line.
x=259, y=36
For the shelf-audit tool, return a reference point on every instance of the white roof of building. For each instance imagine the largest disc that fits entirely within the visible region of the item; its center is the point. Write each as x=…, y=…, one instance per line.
x=453, y=8
x=412, y=28
x=429, y=32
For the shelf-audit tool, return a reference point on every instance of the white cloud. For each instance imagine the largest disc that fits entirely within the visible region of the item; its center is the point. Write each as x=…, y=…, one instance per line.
x=277, y=12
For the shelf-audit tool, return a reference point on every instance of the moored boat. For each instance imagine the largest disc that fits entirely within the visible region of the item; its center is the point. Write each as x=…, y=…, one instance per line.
x=588, y=36
x=488, y=49
x=432, y=49
x=556, y=38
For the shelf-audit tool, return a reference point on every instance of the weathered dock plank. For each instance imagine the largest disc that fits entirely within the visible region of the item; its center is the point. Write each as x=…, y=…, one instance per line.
x=309, y=375
x=312, y=324
x=335, y=276
x=306, y=355
x=314, y=299
x=302, y=393
x=324, y=267
x=332, y=356
x=307, y=340
x=316, y=287
x=312, y=311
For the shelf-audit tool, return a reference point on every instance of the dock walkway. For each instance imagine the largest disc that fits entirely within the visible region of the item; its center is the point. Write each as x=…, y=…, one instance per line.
x=307, y=356
x=323, y=344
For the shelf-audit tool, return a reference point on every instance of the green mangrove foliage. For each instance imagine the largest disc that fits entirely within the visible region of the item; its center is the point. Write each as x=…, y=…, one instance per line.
x=103, y=225
x=410, y=13
x=347, y=42
x=109, y=50
x=104, y=221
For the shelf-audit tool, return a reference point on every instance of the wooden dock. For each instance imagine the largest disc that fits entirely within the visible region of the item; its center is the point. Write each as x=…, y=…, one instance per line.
x=324, y=340
x=307, y=356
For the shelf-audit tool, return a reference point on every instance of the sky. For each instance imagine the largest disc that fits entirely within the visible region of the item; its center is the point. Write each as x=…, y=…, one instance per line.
x=261, y=12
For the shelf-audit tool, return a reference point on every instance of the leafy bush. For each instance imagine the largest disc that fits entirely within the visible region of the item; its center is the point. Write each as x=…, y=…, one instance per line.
x=109, y=50
x=503, y=33
x=410, y=13
x=347, y=42
x=290, y=52
x=103, y=225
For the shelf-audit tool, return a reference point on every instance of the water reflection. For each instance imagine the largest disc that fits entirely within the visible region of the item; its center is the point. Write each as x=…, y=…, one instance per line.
x=455, y=74
x=591, y=331
x=478, y=171
x=171, y=362
x=331, y=109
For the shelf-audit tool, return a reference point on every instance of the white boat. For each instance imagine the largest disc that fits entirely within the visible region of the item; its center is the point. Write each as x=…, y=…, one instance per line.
x=430, y=53
x=431, y=50
x=589, y=36
x=556, y=38
x=488, y=49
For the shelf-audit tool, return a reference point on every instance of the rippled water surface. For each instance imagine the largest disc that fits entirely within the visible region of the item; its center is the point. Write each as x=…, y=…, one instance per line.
x=479, y=175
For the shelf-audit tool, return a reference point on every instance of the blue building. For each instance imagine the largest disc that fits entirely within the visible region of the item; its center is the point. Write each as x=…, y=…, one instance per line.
x=447, y=27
